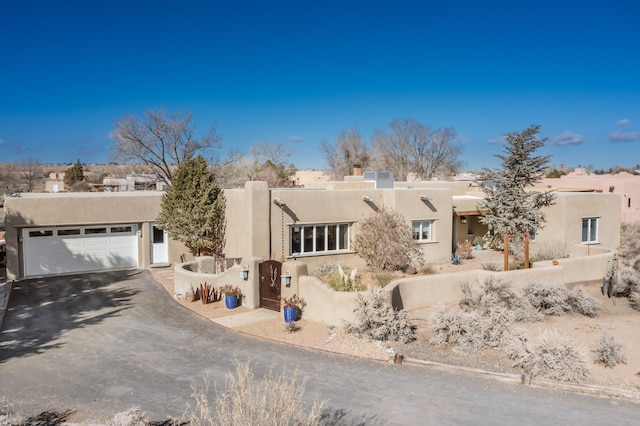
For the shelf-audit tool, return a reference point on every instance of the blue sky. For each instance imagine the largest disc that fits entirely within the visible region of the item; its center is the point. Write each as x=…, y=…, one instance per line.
x=299, y=72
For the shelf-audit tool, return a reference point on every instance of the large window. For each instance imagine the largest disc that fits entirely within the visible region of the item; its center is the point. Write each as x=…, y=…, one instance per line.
x=590, y=230
x=422, y=230
x=318, y=238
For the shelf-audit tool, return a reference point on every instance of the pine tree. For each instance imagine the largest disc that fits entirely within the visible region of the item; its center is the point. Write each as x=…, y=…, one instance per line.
x=192, y=209
x=74, y=174
x=514, y=209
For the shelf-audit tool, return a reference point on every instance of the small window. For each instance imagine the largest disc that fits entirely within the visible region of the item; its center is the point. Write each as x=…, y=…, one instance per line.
x=64, y=232
x=92, y=231
x=120, y=229
x=42, y=233
x=590, y=230
x=422, y=230
x=628, y=202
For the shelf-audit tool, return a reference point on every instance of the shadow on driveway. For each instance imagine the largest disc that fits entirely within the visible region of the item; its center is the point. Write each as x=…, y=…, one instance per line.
x=42, y=310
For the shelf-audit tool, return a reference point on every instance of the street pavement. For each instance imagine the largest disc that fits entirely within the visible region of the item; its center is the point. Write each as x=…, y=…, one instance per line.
x=101, y=343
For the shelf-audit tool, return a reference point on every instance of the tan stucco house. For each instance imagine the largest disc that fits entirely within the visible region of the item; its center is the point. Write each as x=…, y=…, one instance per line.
x=73, y=232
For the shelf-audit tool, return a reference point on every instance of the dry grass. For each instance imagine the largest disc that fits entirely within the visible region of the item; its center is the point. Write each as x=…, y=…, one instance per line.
x=610, y=352
x=131, y=417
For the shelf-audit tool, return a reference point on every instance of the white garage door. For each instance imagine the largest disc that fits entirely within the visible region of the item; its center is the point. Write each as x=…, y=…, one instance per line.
x=50, y=251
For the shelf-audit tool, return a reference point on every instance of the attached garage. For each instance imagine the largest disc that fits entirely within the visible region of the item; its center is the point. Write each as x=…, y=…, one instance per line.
x=69, y=249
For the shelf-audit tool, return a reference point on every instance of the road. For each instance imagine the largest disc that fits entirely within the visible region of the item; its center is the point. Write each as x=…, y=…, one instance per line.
x=101, y=343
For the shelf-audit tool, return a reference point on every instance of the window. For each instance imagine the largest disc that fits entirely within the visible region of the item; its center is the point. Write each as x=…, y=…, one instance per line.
x=319, y=238
x=422, y=230
x=44, y=233
x=590, y=230
x=64, y=232
x=91, y=231
x=120, y=229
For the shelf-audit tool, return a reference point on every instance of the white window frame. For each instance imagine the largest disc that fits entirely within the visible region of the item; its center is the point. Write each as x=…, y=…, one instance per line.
x=420, y=223
x=589, y=222
x=312, y=228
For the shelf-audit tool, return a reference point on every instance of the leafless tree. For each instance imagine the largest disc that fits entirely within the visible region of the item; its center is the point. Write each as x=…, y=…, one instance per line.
x=160, y=139
x=9, y=178
x=30, y=174
x=408, y=146
x=274, y=152
x=346, y=151
x=234, y=170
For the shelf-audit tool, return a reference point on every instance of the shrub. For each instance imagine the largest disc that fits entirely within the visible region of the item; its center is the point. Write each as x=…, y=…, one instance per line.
x=497, y=294
x=464, y=250
x=491, y=266
x=229, y=290
x=628, y=281
x=275, y=400
x=548, y=298
x=132, y=417
x=294, y=302
x=582, y=303
x=629, y=242
x=556, y=356
x=8, y=415
x=634, y=300
x=340, y=278
x=549, y=251
x=383, y=277
x=424, y=268
x=610, y=352
x=376, y=319
x=452, y=326
x=385, y=241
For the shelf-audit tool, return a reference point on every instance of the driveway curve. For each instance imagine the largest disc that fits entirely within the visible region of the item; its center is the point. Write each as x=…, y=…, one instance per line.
x=101, y=343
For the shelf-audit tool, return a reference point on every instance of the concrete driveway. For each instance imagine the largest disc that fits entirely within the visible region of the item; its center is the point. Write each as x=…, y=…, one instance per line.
x=101, y=343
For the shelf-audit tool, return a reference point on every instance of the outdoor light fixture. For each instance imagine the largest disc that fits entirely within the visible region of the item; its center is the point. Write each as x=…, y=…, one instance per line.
x=463, y=219
x=244, y=272
x=425, y=198
x=279, y=202
x=367, y=199
x=286, y=279
x=139, y=233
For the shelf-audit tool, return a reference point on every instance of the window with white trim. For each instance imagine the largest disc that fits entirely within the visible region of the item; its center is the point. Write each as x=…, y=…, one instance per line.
x=318, y=238
x=589, y=230
x=422, y=230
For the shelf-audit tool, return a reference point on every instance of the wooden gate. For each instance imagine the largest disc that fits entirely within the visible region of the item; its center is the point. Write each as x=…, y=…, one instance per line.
x=270, y=284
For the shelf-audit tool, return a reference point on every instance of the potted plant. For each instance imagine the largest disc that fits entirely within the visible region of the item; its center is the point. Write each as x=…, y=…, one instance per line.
x=231, y=295
x=292, y=308
x=479, y=242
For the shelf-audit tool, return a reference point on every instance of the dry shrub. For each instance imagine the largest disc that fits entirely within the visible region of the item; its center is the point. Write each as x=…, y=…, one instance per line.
x=628, y=280
x=464, y=250
x=8, y=415
x=383, y=277
x=629, y=242
x=340, y=278
x=385, y=241
x=424, y=269
x=549, y=251
x=452, y=326
x=275, y=400
x=497, y=294
x=610, y=352
x=131, y=417
x=556, y=299
x=634, y=300
x=376, y=319
x=556, y=356
x=491, y=266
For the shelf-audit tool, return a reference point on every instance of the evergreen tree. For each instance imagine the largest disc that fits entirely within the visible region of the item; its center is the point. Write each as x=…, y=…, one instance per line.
x=514, y=209
x=192, y=209
x=74, y=174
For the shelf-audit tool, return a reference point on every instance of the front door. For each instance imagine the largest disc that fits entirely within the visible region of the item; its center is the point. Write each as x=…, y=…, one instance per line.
x=270, y=284
x=159, y=246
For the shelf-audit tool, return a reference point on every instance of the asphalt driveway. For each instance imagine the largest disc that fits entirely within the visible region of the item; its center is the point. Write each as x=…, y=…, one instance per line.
x=101, y=343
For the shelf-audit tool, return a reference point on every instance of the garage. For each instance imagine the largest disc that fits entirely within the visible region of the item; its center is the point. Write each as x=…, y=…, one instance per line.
x=56, y=250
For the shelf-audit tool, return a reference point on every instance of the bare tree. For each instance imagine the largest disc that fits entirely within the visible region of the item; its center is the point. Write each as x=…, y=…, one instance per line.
x=160, y=139
x=30, y=174
x=408, y=146
x=9, y=178
x=274, y=152
x=346, y=151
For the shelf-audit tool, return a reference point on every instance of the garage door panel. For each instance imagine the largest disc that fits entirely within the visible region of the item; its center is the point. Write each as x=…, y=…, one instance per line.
x=47, y=253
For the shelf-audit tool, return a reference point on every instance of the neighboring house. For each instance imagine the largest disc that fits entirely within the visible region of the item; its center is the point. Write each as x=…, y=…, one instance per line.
x=73, y=232
x=624, y=184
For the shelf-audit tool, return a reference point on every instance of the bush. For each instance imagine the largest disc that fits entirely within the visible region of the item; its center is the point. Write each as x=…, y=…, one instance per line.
x=276, y=400
x=452, y=326
x=491, y=266
x=610, y=352
x=548, y=298
x=132, y=417
x=340, y=278
x=8, y=415
x=629, y=242
x=497, y=294
x=628, y=281
x=376, y=319
x=582, y=303
x=549, y=251
x=464, y=250
x=383, y=277
x=385, y=241
x=556, y=357
x=634, y=300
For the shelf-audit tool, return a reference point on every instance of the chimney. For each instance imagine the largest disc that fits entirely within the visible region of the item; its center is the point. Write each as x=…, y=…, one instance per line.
x=357, y=170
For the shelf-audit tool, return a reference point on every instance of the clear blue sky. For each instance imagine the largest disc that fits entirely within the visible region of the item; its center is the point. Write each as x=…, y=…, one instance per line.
x=298, y=72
